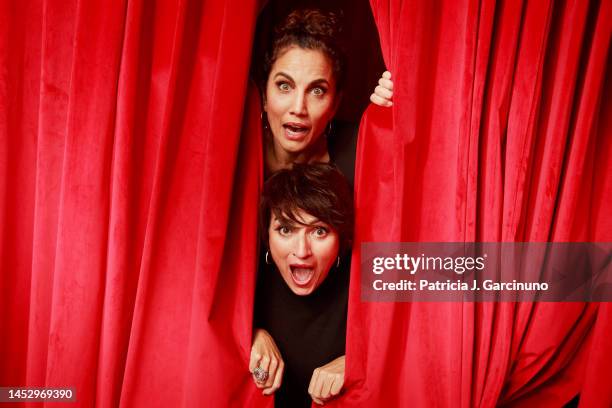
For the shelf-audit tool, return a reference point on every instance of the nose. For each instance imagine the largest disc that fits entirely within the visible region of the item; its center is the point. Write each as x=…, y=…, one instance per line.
x=298, y=107
x=302, y=247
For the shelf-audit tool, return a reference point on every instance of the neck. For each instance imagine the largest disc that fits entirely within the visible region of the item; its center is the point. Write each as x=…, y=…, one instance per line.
x=277, y=159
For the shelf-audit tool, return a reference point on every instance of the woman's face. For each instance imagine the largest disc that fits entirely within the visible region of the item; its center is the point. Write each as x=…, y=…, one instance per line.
x=303, y=253
x=300, y=98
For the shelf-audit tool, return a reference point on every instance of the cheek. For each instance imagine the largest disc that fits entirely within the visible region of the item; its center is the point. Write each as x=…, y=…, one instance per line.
x=270, y=108
x=324, y=113
x=278, y=247
x=275, y=103
x=327, y=252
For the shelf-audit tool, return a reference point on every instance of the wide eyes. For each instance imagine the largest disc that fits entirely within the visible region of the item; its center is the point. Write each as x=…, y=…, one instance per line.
x=318, y=91
x=316, y=231
x=284, y=230
x=286, y=87
x=320, y=232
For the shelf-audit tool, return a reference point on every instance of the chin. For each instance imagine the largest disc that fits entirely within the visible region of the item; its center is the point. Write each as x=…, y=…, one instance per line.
x=301, y=291
x=294, y=147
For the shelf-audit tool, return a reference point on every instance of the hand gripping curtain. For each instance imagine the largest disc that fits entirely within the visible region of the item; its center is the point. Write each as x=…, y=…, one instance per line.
x=128, y=207
x=500, y=131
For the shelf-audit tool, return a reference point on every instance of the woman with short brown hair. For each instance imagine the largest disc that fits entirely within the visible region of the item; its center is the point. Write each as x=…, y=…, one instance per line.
x=302, y=294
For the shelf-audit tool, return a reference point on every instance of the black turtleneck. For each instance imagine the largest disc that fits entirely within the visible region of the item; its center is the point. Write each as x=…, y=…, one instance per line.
x=310, y=331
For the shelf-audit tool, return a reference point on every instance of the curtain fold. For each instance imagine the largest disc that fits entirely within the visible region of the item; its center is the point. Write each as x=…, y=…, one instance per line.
x=493, y=137
x=123, y=258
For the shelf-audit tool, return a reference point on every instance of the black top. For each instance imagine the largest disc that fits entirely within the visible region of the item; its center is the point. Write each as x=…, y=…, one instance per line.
x=310, y=331
x=342, y=147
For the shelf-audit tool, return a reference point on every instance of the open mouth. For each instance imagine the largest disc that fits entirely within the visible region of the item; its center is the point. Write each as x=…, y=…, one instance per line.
x=295, y=131
x=302, y=274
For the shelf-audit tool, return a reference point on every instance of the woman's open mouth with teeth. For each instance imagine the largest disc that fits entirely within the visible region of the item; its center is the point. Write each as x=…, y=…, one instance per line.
x=302, y=274
x=295, y=131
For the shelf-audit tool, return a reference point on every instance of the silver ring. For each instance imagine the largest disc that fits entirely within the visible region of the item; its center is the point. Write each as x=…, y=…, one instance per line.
x=260, y=375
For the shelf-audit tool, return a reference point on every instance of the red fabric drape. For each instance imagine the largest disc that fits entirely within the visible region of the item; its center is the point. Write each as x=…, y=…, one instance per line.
x=128, y=199
x=497, y=133
x=126, y=271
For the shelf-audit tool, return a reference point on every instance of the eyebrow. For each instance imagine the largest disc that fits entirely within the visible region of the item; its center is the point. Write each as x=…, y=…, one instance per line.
x=293, y=223
x=319, y=81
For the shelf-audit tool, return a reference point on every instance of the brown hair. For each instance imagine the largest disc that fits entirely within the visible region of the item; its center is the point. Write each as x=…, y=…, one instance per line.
x=310, y=29
x=318, y=189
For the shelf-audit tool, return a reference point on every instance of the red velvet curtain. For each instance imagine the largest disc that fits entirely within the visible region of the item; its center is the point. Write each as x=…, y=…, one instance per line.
x=128, y=192
x=500, y=131
x=126, y=266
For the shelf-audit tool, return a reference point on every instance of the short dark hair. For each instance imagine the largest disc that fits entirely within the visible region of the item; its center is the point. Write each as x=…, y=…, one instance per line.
x=318, y=189
x=310, y=29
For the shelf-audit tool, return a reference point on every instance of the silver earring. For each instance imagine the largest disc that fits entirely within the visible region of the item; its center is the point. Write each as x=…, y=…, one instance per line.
x=329, y=128
x=264, y=122
x=338, y=262
x=267, y=260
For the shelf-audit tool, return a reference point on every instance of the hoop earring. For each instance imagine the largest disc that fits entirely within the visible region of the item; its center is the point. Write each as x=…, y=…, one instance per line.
x=264, y=122
x=338, y=262
x=267, y=260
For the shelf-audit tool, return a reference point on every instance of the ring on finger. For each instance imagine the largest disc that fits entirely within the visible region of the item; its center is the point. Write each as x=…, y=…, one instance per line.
x=260, y=375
